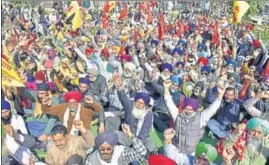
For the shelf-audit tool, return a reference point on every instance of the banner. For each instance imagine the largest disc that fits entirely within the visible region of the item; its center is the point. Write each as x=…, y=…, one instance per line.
x=9, y=76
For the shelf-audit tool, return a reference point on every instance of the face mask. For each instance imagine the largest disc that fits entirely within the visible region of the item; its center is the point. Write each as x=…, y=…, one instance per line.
x=188, y=114
x=139, y=113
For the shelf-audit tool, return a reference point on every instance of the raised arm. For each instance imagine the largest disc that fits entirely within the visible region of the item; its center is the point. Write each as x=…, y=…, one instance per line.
x=250, y=108
x=172, y=108
x=212, y=109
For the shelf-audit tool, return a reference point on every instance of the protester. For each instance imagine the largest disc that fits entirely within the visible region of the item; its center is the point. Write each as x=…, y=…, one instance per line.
x=108, y=152
x=69, y=149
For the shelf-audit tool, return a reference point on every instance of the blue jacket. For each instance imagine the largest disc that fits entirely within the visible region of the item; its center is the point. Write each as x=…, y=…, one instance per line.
x=130, y=120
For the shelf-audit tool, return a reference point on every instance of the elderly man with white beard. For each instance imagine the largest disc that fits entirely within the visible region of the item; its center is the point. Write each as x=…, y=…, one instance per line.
x=256, y=148
x=138, y=116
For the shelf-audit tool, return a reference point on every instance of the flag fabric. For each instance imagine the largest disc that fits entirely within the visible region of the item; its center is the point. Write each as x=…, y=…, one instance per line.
x=105, y=21
x=150, y=15
x=136, y=35
x=239, y=10
x=122, y=50
x=112, y=5
x=10, y=77
x=161, y=27
x=244, y=90
x=215, y=36
x=266, y=70
x=123, y=13
x=77, y=20
x=106, y=8
x=180, y=29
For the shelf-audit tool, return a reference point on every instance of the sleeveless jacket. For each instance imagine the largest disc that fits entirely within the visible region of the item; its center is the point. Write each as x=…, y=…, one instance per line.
x=188, y=133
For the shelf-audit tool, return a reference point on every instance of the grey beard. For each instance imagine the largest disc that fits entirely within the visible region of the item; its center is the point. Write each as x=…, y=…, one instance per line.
x=253, y=145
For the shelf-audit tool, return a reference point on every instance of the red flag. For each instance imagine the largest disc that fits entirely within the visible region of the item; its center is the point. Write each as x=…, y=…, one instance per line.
x=4, y=57
x=215, y=36
x=122, y=50
x=161, y=27
x=205, y=18
x=154, y=3
x=123, y=13
x=105, y=21
x=199, y=24
x=181, y=28
x=150, y=16
x=243, y=92
x=106, y=8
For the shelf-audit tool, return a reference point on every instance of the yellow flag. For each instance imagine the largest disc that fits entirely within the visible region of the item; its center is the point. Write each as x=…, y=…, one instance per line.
x=239, y=8
x=77, y=20
x=73, y=7
x=9, y=76
x=112, y=5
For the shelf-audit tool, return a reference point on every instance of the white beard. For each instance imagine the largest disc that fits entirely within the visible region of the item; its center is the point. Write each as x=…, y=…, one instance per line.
x=139, y=113
x=165, y=77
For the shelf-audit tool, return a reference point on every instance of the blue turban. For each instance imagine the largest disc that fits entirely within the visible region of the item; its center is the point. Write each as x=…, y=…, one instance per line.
x=201, y=46
x=178, y=51
x=180, y=63
x=5, y=105
x=144, y=96
x=167, y=66
x=191, y=102
x=232, y=62
x=181, y=42
x=30, y=78
x=206, y=68
x=109, y=137
x=176, y=80
x=42, y=86
x=84, y=80
x=154, y=42
x=255, y=122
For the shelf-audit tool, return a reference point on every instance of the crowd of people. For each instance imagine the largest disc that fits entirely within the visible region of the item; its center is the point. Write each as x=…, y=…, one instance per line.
x=129, y=68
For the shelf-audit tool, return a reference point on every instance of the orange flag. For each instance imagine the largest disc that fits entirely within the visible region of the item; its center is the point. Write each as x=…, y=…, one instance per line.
x=106, y=8
x=243, y=92
x=122, y=50
x=161, y=27
x=123, y=13
x=266, y=71
x=215, y=36
x=150, y=16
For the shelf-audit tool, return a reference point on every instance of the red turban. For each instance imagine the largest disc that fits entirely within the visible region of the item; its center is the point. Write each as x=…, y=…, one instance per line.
x=160, y=160
x=250, y=27
x=105, y=52
x=40, y=76
x=89, y=51
x=203, y=60
x=76, y=95
x=126, y=58
x=256, y=43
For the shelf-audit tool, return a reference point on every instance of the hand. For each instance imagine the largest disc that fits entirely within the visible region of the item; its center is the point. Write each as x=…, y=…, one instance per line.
x=169, y=133
x=167, y=84
x=89, y=100
x=78, y=124
x=101, y=128
x=247, y=77
x=221, y=91
x=213, y=84
x=228, y=154
x=43, y=138
x=9, y=130
x=118, y=81
x=126, y=129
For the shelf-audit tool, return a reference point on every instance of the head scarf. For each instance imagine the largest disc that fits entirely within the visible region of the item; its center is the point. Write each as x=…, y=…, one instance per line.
x=93, y=69
x=209, y=151
x=205, y=69
x=109, y=137
x=176, y=80
x=256, y=122
x=144, y=96
x=40, y=76
x=5, y=105
x=235, y=76
x=191, y=102
x=76, y=95
x=203, y=60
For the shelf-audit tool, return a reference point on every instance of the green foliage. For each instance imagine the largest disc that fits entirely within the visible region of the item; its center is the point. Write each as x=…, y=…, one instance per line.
x=253, y=7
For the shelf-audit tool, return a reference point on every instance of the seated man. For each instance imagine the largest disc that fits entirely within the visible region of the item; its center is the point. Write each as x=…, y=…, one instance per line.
x=205, y=154
x=228, y=114
x=256, y=148
x=137, y=114
x=69, y=149
x=73, y=110
x=41, y=124
x=108, y=152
